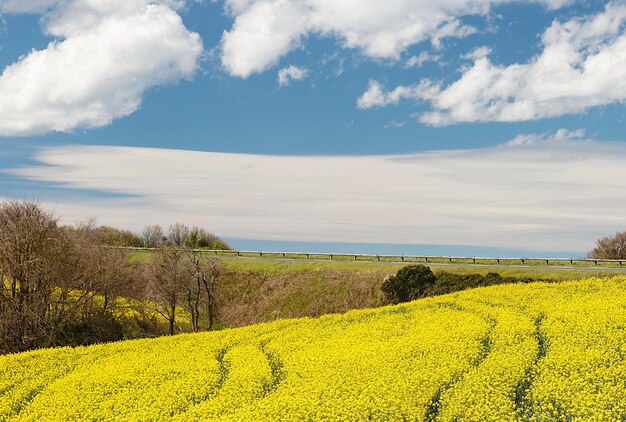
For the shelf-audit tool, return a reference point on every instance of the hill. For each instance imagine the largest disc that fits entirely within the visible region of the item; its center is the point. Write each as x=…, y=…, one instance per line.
x=256, y=290
x=526, y=351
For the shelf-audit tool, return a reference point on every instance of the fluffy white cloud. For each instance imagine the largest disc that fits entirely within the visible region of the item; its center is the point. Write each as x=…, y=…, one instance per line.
x=546, y=193
x=452, y=29
x=423, y=57
x=291, y=73
x=106, y=56
x=477, y=53
x=559, y=135
x=375, y=96
x=582, y=65
x=266, y=30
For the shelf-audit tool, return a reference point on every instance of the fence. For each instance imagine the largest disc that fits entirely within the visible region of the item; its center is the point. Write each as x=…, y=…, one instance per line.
x=465, y=260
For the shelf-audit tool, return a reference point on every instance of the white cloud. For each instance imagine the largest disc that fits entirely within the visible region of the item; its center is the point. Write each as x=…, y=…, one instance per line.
x=533, y=139
x=582, y=65
x=375, y=96
x=291, y=73
x=266, y=30
x=552, y=194
x=423, y=57
x=395, y=124
x=106, y=56
x=477, y=53
x=452, y=29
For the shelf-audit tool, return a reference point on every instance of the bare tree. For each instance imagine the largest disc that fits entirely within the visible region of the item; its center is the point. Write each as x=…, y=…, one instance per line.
x=168, y=276
x=153, y=236
x=610, y=247
x=202, y=285
x=212, y=269
x=193, y=288
x=178, y=234
x=41, y=272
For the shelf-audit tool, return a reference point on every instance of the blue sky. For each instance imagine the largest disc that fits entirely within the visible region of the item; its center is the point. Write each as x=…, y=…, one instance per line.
x=538, y=86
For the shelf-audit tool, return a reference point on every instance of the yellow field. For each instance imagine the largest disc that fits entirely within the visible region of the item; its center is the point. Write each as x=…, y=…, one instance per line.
x=514, y=352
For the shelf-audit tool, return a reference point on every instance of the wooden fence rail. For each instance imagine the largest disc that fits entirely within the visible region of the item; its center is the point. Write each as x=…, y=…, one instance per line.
x=340, y=256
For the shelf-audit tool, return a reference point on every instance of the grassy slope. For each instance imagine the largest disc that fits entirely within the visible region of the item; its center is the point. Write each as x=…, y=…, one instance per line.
x=511, y=352
x=261, y=290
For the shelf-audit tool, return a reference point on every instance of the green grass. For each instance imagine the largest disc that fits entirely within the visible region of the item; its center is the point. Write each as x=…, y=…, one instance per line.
x=140, y=256
x=275, y=268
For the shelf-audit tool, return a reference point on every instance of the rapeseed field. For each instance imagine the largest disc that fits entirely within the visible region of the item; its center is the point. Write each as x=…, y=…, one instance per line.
x=531, y=352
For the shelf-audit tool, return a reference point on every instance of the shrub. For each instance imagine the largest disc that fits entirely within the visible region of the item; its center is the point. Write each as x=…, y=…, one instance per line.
x=408, y=284
x=417, y=281
x=450, y=282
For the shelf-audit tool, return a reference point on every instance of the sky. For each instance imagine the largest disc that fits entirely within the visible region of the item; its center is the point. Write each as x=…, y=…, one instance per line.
x=475, y=128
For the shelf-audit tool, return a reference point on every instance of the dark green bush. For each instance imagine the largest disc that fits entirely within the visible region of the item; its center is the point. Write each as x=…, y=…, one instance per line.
x=409, y=283
x=450, y=282
x=417, y=281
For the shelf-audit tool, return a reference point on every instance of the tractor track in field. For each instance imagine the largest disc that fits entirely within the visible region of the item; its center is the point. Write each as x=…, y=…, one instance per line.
x=434, y=406
x=523, y=403
x=277, y=368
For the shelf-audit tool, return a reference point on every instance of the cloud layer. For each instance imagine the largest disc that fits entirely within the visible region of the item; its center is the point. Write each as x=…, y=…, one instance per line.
x=545, y=193
x=106, y=56
x=582, y=65
x=266, y=30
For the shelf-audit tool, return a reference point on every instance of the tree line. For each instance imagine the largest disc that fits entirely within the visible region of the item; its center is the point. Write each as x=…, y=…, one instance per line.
x=65, y=285
x=153, y=235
